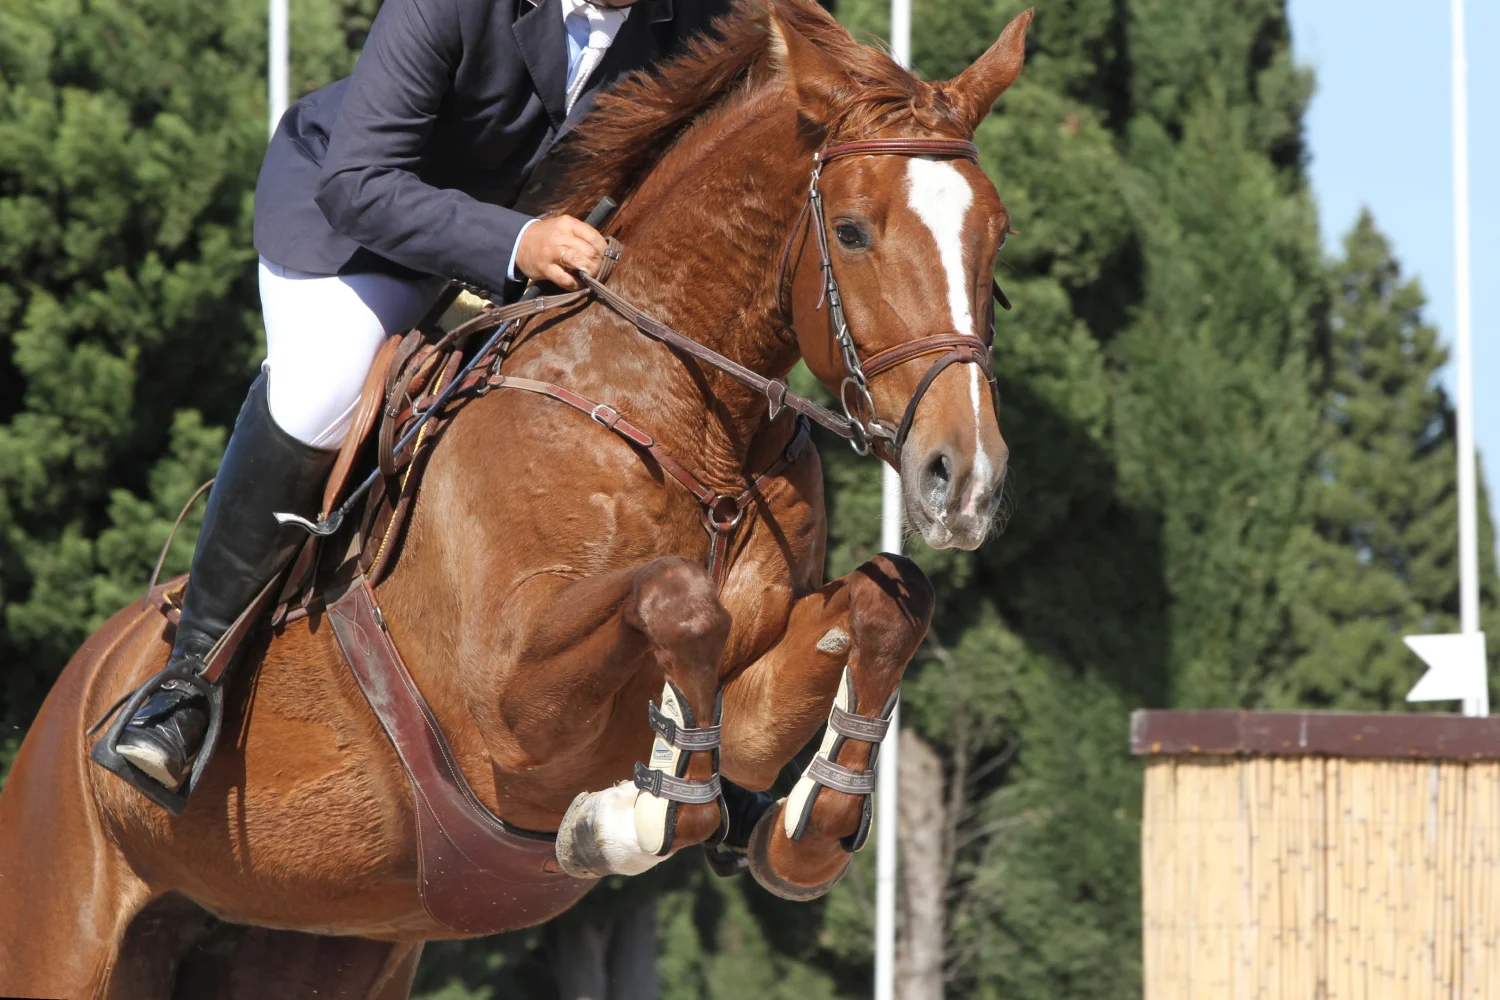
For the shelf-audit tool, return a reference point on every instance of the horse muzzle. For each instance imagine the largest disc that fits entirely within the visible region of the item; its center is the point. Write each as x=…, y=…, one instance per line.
x=952, y=495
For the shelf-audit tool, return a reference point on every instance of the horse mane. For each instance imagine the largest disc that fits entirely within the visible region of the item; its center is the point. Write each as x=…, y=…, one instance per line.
x=648, y=112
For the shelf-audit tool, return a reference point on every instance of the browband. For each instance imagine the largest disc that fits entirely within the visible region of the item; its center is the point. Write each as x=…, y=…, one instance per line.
x=909, y=146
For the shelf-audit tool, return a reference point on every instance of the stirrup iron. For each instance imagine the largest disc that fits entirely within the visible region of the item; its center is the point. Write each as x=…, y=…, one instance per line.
x=106, y=752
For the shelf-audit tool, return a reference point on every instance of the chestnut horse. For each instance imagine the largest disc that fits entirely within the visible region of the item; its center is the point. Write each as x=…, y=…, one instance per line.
x=552, y=580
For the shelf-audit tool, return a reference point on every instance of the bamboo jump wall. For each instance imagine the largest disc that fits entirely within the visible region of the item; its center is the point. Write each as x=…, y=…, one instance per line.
x=1320, y=856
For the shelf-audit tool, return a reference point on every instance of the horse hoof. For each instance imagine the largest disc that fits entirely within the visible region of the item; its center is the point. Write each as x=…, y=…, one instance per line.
x=576, y=843
x=597, y=835
x=760, y=863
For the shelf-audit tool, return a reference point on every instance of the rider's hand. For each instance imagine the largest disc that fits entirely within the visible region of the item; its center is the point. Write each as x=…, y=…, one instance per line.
x=554, y=248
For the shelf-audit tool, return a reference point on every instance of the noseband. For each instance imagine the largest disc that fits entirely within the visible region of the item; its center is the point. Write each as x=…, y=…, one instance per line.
x=954, y=346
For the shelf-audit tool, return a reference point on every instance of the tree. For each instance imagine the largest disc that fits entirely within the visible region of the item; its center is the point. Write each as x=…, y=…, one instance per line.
x=1380, y=550
x=130, y=138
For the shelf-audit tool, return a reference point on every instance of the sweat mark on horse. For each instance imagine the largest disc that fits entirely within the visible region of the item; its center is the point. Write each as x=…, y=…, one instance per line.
x=551, y=581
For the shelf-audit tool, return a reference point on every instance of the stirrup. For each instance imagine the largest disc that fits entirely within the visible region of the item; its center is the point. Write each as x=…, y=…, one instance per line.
x=106, y=752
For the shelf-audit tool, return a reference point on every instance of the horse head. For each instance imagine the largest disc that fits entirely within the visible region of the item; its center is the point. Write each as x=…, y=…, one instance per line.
x=910, y=241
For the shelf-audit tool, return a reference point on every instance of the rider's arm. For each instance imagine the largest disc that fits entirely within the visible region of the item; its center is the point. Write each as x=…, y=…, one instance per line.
x=369, y=189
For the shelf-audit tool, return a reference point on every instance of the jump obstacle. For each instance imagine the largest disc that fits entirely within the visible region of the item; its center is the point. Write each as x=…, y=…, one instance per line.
x=1320, y=856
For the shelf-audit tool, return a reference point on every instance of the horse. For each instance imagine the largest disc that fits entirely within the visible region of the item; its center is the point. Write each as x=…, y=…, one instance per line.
x=552, y=581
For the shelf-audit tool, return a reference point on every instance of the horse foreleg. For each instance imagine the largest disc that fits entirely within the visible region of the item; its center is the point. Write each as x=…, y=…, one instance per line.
x=669, y=607
x=841, y=659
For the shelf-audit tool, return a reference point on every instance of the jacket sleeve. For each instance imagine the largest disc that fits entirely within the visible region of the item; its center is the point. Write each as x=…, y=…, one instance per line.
x=369, y=189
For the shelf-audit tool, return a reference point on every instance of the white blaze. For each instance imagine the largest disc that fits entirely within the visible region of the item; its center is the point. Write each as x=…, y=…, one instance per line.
x=940, y=196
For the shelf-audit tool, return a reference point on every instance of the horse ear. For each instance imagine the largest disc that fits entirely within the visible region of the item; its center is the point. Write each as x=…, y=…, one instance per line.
x=974, y=91
x=811, y=74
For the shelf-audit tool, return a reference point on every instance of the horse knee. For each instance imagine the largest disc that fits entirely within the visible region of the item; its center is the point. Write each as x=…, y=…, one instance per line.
x=676, y=607
x=890, y=606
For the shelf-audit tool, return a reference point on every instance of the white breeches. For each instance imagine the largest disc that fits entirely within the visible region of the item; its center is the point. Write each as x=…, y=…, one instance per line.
x=322, y=333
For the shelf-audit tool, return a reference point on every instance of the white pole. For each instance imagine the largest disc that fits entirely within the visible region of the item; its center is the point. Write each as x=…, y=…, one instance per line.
x=891, y=530
x=1468, y=533
x=885, y=779
x=276, y=69
x=901, y=31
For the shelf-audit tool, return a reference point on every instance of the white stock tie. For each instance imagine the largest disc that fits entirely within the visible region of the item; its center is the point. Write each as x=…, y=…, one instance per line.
x=590, y=29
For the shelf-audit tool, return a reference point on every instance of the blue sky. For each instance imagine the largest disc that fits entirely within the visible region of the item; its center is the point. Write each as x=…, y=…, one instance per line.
x=1379, y=130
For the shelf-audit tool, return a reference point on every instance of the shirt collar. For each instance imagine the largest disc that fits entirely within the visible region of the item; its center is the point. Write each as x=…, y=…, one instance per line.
x=660, y=10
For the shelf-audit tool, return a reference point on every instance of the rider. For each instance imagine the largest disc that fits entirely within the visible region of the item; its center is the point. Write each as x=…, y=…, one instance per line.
x=376, y=191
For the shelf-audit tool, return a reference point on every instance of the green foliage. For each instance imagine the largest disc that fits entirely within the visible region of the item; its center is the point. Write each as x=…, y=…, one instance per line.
x=130, y=138
x=1379, y=553
x=1231, y=478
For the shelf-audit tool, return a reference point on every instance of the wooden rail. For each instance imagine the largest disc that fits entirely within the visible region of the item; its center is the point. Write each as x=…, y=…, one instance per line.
x=1304, y=856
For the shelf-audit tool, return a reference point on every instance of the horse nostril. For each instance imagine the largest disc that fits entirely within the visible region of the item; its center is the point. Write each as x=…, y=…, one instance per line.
x=937, y=480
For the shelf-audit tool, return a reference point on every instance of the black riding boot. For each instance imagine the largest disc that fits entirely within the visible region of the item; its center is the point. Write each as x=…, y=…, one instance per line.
x=728, y=857
x=241, y=549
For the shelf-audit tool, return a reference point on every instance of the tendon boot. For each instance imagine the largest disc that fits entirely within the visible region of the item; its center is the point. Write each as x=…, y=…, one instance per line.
x=729, y=856
x=241, y=549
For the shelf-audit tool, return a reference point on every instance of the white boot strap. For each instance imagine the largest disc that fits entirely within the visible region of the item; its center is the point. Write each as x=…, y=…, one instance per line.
x=857, y=727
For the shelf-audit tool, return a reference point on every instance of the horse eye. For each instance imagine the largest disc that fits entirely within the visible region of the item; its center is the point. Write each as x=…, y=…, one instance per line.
x=850, y=236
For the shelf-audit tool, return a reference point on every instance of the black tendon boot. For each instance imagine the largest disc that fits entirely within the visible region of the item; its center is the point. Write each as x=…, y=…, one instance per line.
x=241, y=549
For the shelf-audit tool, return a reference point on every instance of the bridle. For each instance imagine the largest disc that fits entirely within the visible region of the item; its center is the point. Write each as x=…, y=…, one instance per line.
x=956, y=347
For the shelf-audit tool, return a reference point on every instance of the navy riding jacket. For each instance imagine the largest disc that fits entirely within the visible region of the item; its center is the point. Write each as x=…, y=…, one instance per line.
x=410, y=165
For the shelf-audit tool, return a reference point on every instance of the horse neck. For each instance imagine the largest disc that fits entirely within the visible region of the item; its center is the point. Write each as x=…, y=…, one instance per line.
x=703, y=240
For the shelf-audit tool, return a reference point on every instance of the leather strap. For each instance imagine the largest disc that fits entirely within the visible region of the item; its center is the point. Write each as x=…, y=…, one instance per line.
x=692, y=740
x=476, y=875
x=721, y=514
x=777, y=393
x=222, y=654
x=370, y=399
x=912, y=146
x=684, y=790
x=166, y=548
x=891, y=357
x=967, y=352
x=840, y=778
x=857, y=727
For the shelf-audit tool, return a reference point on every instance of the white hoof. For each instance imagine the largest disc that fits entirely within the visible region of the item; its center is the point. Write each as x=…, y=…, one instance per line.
x=597, y=836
